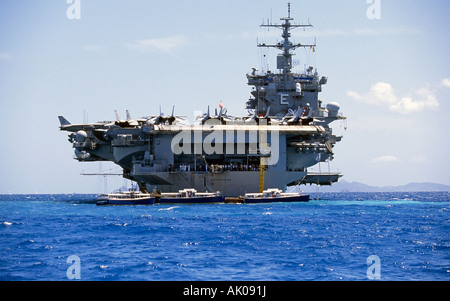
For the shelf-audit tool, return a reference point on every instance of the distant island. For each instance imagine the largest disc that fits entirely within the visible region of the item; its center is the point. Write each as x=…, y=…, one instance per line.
x=344, y=186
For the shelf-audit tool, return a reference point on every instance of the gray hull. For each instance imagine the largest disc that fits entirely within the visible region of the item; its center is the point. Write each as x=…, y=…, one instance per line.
x=229, y=183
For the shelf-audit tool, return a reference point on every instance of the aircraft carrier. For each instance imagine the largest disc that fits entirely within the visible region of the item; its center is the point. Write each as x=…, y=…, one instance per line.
x=286, y=132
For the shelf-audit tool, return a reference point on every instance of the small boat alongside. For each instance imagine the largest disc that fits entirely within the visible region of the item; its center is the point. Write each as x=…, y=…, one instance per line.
x=191, y=196
x=131, y=197
x=275, y=195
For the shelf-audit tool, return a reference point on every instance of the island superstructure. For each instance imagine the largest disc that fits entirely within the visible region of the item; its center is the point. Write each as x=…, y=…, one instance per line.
x=287, y=131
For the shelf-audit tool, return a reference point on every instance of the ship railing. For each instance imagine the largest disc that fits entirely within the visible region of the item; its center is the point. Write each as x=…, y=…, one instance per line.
x=169, y=194
x=127, y=140
x=139, y=167
x=122, y=142
x=215, y=168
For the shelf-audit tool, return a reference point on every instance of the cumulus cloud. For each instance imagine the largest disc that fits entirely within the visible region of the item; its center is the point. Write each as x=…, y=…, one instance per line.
x=379, y=94
x=383, y=94
x=426, y=99
x=166, y=45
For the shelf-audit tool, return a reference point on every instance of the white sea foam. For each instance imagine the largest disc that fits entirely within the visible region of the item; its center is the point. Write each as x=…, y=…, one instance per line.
x=167, y=209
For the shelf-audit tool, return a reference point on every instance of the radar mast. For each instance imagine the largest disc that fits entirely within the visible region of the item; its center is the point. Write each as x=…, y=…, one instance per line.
x=281, y=93
x=284, y=61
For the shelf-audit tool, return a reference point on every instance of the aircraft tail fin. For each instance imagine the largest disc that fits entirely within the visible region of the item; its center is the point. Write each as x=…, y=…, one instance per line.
x=117, y=115
x=63, y=121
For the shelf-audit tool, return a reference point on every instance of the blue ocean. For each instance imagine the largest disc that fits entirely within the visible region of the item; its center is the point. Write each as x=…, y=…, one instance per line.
x=335, y=236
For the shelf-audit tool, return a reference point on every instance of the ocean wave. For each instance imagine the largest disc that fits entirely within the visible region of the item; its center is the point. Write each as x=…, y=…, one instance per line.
x=168, y=209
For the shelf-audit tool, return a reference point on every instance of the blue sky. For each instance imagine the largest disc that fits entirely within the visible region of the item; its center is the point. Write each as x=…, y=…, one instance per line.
x=390, y=75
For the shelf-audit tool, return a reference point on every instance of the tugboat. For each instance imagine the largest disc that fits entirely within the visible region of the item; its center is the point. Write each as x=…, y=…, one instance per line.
x=190, y=196
x=275, y=195
x=130, y=197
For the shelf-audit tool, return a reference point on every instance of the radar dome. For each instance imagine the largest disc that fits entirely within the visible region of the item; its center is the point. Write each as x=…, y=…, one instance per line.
x=81, y=136
x=333, y=109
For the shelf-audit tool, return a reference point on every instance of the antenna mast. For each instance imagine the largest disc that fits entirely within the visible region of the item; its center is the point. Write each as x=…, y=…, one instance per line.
x=286, y=45
x=289, y=9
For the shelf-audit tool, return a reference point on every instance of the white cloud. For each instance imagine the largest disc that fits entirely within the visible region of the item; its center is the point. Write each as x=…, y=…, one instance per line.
x=379, y=94
x=446, y=82
x=166, y=45
x=426, y=100
x=384, y=159
x=382, y=94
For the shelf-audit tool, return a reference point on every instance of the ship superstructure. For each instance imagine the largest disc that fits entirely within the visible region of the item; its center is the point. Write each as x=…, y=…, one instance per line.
x=286, y=133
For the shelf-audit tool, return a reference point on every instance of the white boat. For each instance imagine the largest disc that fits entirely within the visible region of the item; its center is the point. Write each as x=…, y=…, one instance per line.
x=275, y=195
x=130, y=197
x=191, y=195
